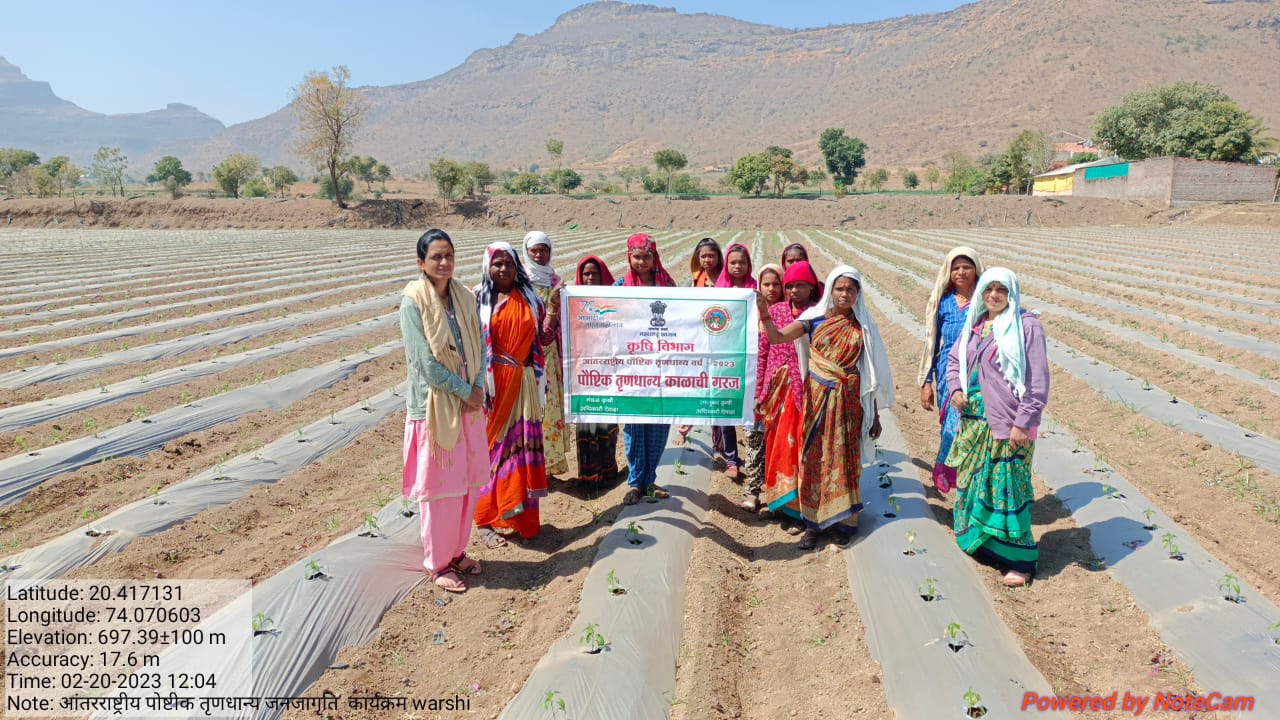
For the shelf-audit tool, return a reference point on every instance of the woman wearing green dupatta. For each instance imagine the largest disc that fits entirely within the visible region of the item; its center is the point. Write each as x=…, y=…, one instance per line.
x=998, y=374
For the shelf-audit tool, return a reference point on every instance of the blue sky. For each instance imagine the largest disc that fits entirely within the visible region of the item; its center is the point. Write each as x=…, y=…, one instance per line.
x=236, y=60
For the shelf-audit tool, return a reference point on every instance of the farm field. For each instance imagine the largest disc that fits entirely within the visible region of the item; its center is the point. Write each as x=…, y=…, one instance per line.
x=227, y=404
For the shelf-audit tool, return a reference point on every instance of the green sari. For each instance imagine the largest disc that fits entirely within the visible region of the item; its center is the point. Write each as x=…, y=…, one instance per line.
x=992, y=513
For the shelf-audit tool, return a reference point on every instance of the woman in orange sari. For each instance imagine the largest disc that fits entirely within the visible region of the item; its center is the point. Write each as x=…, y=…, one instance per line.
x=512, y=319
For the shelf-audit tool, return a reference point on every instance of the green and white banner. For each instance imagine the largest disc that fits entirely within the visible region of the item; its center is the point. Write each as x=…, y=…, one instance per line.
x=659, y=355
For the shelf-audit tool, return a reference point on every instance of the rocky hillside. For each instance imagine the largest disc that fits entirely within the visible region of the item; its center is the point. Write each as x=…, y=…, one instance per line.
x=32, y=117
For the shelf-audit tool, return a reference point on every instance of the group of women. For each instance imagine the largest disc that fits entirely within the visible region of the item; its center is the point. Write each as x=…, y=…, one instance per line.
x=490, y=358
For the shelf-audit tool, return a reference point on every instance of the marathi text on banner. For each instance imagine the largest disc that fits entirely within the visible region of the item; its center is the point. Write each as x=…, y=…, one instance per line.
x=659, y=355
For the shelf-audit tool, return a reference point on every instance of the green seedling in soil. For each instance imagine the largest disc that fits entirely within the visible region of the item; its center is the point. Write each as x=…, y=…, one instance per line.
x=223, y=527
x=592, y=641
x=88, y=514
x=365, y=406
x=21, y=442
x=406, y=507
x=633, y=533
x=102, y=387
x=615, y=585
x=58, y=435
x=928, y=589
x=679, y=467
x=894, y=508
x=91, y=427
x=911, y=547
x=154, y=493
x=142, y=377
x=333, y=417
x=1173, y=399
x=59, y=359
x=263, y=625
x=185, y=398
x=672, y=700
x=1276, y=627
x=1146, y=385
x=257, y=379
x=885, y=480
x=973, y=707
x=331, y=524
x=1230, y=585
x=1169, y=541
x=315, y=571
x=302, y=436
x=370, y=526
x=1148, y=514
x=140, y=412
x=554, y=704
x=955, y=636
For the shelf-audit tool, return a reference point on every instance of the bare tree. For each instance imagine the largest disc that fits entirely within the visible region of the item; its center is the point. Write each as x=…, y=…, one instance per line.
x=329, y=113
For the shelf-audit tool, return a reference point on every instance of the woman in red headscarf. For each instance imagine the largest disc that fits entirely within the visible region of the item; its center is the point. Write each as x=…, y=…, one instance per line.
x=597, y=442
x=644, y=442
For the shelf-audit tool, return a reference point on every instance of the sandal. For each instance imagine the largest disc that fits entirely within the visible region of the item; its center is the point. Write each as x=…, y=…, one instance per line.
x=792, y=526
x=809, y=540
x=491, y=538
x=465, y=565
x=657, y=493
x=449, y=581
x=751, y=503
x=632, y=497
x=731, y=472
x=1015, y=579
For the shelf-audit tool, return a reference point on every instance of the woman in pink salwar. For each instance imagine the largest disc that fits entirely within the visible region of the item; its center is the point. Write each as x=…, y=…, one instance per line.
x=446, y=452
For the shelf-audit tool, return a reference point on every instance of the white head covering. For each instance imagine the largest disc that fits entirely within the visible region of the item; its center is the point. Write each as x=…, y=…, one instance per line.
x=539, y=275
x=1006, y=329
x=940, y=288
x=873, y=362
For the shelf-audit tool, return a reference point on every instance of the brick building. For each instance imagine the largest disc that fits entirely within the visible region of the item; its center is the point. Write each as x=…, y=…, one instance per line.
x=1177, y=181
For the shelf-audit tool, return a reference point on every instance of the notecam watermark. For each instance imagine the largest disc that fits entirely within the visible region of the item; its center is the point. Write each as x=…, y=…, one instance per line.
x=1138, y=703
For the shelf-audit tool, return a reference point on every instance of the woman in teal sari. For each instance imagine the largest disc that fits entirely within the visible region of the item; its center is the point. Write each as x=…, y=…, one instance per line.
x=998, y=376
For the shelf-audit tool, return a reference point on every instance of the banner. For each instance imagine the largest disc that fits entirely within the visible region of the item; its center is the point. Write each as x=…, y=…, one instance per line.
x=659, y=355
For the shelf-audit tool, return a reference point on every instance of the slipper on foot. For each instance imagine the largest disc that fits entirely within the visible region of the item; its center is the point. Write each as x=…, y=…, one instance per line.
x=491, y=538
x=449, y=581
x=465, y=565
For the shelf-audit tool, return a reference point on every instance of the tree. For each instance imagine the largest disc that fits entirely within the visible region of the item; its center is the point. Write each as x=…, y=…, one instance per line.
x=555, y=148
x=382, y=173
x=346, y=186
x=235, y=171
x=669, y=161
x=910, y=180
x=169, y=170
x=685, y=184
x=281, y=178
x=932, y=175
x=12, y=160
x=60, y=170
x=363, y=169
x=1183, y=120
x=876, y=179
x=843, y=155
x=750, y=174
x=817, y=176
x=475, y=177
x=566, y=179
x=1082, y=157
x=37, y=181
x=783, y=170
x=525, y=183
x=448, y=176
x=1026, y=156
x=329, y=114
x=630, y=174
x=109, y=165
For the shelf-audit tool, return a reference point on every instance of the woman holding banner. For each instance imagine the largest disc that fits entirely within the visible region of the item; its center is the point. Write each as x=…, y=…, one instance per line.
x=847, y=378
x=537, y=255
x=597, y=442
x=644, y=442
x=512, y=318
x=445, y=455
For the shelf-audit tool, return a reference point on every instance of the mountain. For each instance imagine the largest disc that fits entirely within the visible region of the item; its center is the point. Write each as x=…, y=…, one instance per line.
x=617, y=81
x=33, y=118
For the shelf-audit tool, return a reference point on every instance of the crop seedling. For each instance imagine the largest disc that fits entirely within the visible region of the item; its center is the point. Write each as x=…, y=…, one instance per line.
x=406, y=507
x=153, y=492
x=185, y=398
x=21, y=442
x=315, y=571
x=912, y=550
x=1276, y=627
x=1149, y=514
x=91, y=427
x=633, y=533
x=302, y=437
x=102, y=387
x=370, y=526
x=894, y=508
x=554, y=704
x=1169, y=541
x=1146, y=385
x=263, y=625
x=1230, y=585
x=592, y=641
x=955, y=636
x=615, y=585
x=885, y=480
x=679, y=467
x=333, y=417
x=928, y=589
x=973, y=704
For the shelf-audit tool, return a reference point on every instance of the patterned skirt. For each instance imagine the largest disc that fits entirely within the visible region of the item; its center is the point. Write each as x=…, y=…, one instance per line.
x=992, y=513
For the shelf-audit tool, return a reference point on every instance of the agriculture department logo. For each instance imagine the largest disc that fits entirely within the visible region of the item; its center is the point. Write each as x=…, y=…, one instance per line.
x=715, y=319
x=658, y=307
